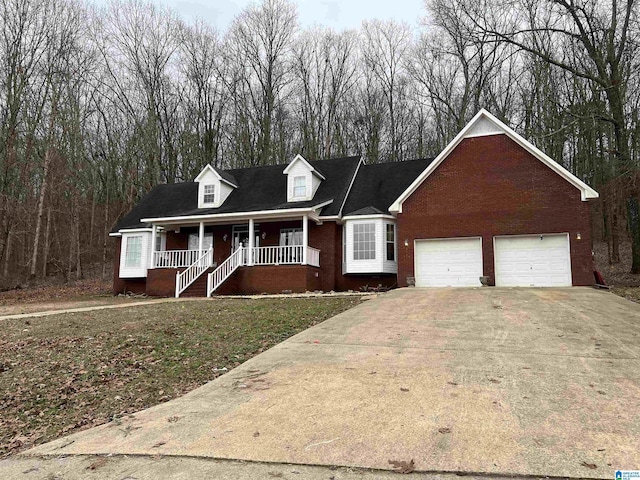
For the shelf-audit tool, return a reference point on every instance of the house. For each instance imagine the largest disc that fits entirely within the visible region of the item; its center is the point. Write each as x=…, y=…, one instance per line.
x=490, y=205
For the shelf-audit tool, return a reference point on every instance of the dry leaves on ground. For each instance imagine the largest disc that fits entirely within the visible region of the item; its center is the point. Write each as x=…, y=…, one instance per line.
x=402, y=466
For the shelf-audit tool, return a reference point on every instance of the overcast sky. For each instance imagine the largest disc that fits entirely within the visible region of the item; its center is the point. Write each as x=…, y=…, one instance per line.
x=340, y=15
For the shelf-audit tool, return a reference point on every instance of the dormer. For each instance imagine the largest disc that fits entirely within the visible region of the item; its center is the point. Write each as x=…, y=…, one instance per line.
x=214, y=186
x=303, y=180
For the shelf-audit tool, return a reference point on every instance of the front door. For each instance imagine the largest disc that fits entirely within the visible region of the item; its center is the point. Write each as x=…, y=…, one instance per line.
x=240, y=236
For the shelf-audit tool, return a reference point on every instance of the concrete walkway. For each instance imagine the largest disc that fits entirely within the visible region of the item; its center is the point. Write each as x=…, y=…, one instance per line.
x=532, y=382
x=137, y=303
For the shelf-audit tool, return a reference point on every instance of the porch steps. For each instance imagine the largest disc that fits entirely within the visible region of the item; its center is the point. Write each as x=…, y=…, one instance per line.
x=199, y=287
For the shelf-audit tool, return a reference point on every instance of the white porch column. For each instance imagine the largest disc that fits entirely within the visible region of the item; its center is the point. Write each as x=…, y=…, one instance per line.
x=305, y=238
x=201, y=237
x=252, y=240
x=154, y=232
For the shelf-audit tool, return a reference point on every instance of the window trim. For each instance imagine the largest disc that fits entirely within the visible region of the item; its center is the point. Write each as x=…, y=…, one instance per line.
x=368, y=229
x=196, y=237
x=391, y=242
x=303, y=186
x=291, y=230
x=212, y=193
x=127, y=251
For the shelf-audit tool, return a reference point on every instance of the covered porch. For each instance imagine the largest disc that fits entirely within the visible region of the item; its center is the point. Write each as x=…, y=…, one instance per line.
x=219, y=246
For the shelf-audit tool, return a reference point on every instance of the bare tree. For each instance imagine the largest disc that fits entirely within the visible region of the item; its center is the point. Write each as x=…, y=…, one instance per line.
x=259, y=44
x=385, y=50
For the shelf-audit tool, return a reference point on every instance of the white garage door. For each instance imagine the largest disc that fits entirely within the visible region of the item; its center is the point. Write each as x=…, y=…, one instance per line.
x=533, y=261
x=455, y=262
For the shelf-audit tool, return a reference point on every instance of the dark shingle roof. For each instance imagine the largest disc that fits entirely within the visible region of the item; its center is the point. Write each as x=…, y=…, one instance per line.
x=259, y=188
x=378, y=185
x=226, y=176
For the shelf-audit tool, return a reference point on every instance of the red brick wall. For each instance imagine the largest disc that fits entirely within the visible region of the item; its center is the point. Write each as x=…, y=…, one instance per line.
x=124, y=285
x=491, y=186
x=323, y=237
x=177, y=241
x=270, y=279
x=161, y=282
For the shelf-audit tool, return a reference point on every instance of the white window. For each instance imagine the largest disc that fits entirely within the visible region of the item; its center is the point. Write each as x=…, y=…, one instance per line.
x=290, y=236
x=391, y=242
x=300, y=186
x=194, y=241
x=161, y=242
x=209, y=194
x=133, y=252
x=364, y=241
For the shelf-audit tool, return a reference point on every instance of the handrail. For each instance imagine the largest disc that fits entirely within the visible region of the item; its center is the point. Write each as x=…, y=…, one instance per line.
x=226, y=268
x=191, y=274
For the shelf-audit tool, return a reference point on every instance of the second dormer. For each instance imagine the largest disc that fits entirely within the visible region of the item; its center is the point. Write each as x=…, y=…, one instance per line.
x=214, y=186
x=303, y=180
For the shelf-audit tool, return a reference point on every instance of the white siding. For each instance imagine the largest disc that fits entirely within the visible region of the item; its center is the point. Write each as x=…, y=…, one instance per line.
x=141, y=271
x=315, y=183
x=379, y=264
x=300, y=169
x=389, y=266
x=483, y=127
x=225, y=191
x=222, y=189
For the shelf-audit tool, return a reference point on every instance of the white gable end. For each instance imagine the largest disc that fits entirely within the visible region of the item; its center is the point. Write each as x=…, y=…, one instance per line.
x=212, y=190
x=483, y=127
x=484, y=124
x=302, y=180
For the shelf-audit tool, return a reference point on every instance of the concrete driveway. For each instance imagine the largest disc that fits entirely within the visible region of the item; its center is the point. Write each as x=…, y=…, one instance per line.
x=536, y=382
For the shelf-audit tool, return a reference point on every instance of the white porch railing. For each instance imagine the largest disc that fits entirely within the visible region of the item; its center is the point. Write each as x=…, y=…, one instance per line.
x=197, y=268
x=313, y=257
x=226, y=268
x=282, y=255
x=175, y=258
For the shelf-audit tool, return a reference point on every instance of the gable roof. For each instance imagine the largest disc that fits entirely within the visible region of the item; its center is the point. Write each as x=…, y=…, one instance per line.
x=300, y=158
x=221, y=174
x=484, y=124
x=259, y=189
x=377, y=185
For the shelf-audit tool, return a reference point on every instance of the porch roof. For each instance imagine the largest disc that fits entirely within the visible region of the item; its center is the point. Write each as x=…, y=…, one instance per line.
x=280, y=213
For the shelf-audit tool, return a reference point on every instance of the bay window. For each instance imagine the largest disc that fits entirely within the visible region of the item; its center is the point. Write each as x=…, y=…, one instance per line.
x=364, y=241
x=133, y=252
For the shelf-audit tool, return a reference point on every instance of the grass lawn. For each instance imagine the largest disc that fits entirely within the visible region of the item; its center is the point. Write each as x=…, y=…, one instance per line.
x=83, y=293
x=68, y=372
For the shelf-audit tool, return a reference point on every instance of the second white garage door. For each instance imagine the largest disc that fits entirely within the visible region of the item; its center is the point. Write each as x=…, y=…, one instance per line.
x=533, y=261
x=453, y=262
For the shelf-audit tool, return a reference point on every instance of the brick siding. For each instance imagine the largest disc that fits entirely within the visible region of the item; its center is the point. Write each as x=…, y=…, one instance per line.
x=490, y=186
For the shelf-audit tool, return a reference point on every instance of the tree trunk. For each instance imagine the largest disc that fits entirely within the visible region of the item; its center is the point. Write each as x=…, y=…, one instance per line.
x=633, y=214
x=43, y=189
x=7, y=256
x=45, y=246
x=76, y=221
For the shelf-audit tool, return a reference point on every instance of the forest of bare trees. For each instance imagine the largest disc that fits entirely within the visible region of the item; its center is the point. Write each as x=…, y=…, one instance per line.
x=99, y=105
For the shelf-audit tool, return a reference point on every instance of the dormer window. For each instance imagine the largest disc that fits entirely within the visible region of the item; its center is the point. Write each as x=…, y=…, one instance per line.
x=209, y=194
x=214, y=186
x=303, y=180
x=300, y=186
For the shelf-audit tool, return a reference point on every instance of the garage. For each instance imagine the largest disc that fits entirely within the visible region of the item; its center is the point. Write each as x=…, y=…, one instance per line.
x=451, y=262
x=533, y=261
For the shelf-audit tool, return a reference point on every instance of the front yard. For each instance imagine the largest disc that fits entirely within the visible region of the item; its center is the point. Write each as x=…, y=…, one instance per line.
x=67, y=372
